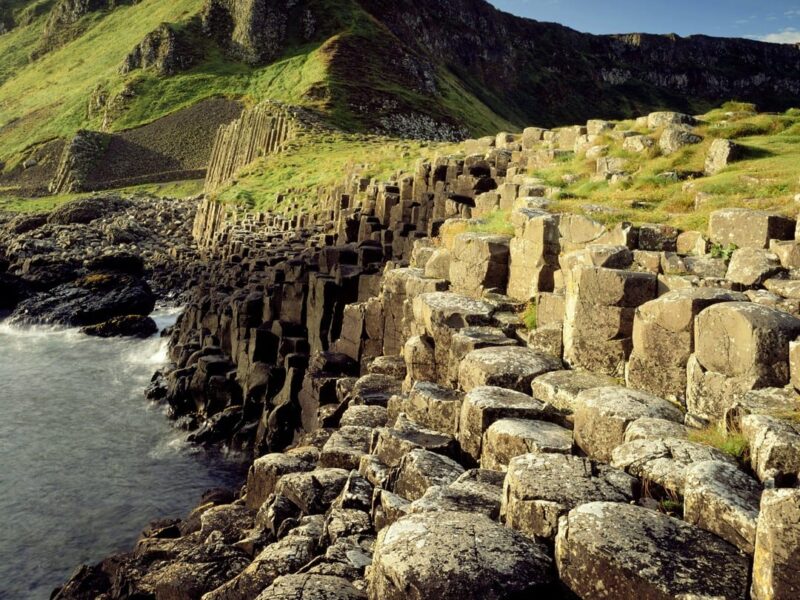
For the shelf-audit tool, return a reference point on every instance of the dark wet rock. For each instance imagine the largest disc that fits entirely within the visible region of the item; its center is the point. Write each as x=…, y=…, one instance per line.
x=127, y=326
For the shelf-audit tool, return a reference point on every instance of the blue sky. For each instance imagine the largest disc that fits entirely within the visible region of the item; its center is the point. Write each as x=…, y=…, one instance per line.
x=768, y=20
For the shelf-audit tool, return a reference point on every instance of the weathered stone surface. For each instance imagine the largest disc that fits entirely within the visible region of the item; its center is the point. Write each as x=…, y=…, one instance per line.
x=345, y=447
x=393, y=443
x=476, y=490
x=674, y=138
x=663, y=339
x=540, y=488
x=649, y=428
x=787, y=252
x=739, y=346
x=308, y=586
x=508, y=438
x=777, y=551
x=560, y=389
x=665, y=462
x=435, y=555
x=479, y=262
x=656, y=120
x=420, y=469
x=746, y=228
x=508, y=367
x=374, y=389
x=438, y=265
x=533, y=253
x=281, y=558
x=465, y=341
x=624, y=552
x=434, y=406
x=603, y=414
x=265, y=473
x=313, y=491
x=752, y=266
x=364, y=416
x=482, y=406
x=599, y=314
x=721, y=154
x=774, y=448
x=720, y=498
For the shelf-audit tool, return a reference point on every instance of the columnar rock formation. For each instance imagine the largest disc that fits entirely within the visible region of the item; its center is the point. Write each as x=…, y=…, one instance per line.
x=261, y=130
x=373, y=356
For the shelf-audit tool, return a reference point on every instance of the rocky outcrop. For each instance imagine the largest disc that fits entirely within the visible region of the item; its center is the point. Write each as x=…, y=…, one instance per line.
x=77, y=161
x=414, y=438
x=161, y=49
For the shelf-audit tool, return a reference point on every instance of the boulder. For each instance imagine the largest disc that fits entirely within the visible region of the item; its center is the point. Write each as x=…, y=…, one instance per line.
x=392, y=443
x=508, y=438
x=603, y=414
x=624, y=552
x=541, y=488
x=476, y=490
x=345, y=447
x=674, y=138
x=774, y=448
x=138, y=326
x=482, y=406
x=312, y=491
x=649, y=428
x=513, y=368
x=720, y=498
x=435, y=555
x=777, y=549
x=364, y=416
x=434, y=407
x=720, y=154
x=745, y=228
x=656, y=120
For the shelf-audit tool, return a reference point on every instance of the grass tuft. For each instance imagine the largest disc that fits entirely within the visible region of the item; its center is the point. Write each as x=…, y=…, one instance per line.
x=733, y=444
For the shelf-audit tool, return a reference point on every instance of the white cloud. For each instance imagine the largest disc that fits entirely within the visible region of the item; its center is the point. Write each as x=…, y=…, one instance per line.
x=790, y=35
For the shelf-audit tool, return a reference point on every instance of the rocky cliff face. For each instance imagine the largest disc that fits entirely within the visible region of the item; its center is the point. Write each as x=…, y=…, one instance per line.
x=522, y=69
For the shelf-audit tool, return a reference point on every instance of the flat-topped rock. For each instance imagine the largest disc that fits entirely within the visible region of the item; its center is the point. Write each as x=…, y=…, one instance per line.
x=540, y=488
x=512, y=368
x=374, y=390
x=774, y=448
x=561, y=388
x=665, y=462
x=650, y=428
x=747, y=228
x=479, y=261
x=421, y=469
x=752, y=266
x=508, y=438
x=624, y=552
x=434, y=406
x=483, y=406
x=435, y=555
x=450, y=310
x=603, y=414
x=720, y=498
x=391, y=444
x=345, y=447
x=265, y=473
x=477, y=490
x=308, y=586
x=364, y=416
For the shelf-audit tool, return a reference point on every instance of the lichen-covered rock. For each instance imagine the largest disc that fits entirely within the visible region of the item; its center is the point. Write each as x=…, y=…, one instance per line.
x=560, y=389
x=603, y=414
x=721, y=154
x=483, y=406
x=720, y=498
x=479, y=261
x=513, y=368
x=534, y=251
x=265, y=473
x=508, y=438
x=438, y=555
x=345, y=447
x=313, y=491
x=745, y=228
x=477, y=490
x=434, y=406
x=650, y=428
x=540, y=488
x=420, y=469
x=392, y=443
x=777, y=551
x=774, y=448
x=624, y=552
x=309, y=586
x=665, y=462
x=674, y=138
x=364, y=416
x=753, y=266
